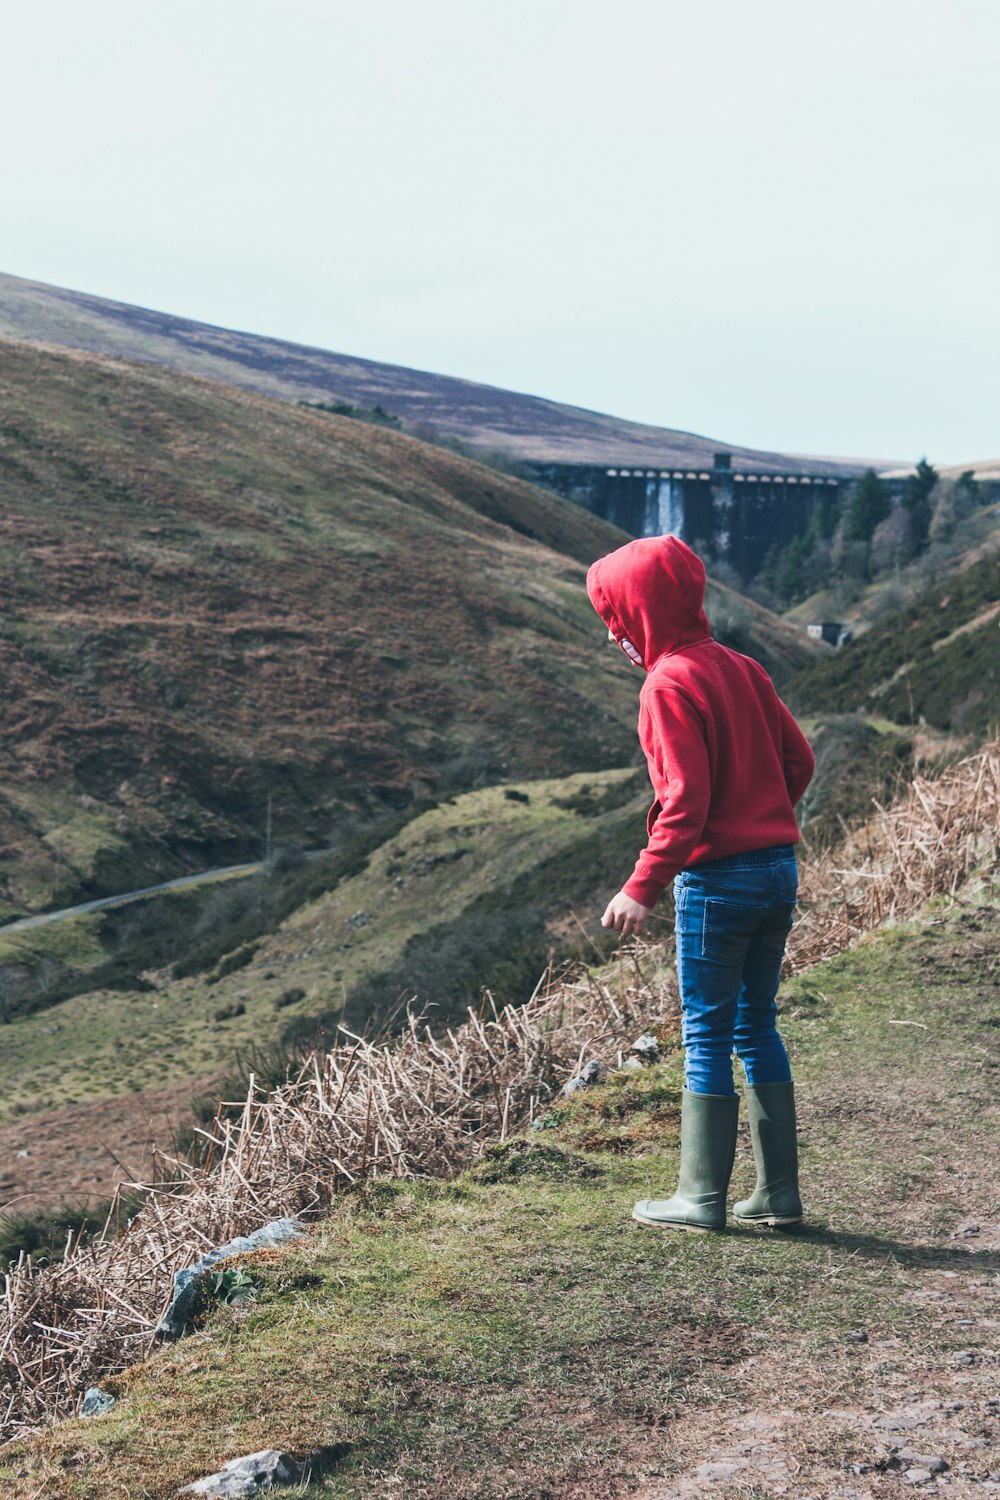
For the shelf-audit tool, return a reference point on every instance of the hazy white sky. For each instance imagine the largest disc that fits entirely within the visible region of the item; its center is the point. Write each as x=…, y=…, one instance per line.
x=777, y=223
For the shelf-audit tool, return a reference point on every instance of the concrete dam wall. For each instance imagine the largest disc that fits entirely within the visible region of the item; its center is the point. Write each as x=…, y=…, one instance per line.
x=736, y=515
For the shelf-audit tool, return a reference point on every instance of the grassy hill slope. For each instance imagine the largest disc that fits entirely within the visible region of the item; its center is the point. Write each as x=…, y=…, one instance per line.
x=527, y=426
x=974, y=537
x=212, y=600
x=221, y=613
x=469, y=893
x=513, y=1333
x=217, y=604
x=936, y=660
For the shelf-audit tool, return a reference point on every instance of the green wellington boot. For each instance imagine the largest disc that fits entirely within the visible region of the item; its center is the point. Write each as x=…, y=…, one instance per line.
x=708, y=1145
x=775, y=1200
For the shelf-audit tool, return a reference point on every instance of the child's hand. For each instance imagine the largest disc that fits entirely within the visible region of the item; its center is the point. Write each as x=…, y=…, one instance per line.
x=625, y=915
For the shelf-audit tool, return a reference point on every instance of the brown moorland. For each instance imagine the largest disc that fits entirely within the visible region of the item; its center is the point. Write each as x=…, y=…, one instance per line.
x=214, y=602
x=211, y=599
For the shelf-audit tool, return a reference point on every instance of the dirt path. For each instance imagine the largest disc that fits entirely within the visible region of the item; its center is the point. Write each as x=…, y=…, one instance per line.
x=908, y=1400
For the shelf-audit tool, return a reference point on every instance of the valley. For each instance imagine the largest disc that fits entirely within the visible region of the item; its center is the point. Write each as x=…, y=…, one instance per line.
x=236, y=629
x=363, y=671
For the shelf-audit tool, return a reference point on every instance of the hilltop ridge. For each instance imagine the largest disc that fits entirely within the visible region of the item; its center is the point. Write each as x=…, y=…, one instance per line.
x=487, y=417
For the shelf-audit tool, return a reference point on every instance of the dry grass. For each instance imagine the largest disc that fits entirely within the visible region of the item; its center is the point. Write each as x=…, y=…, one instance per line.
x=925, y=844
x=425, y=1104
x=419, y=1105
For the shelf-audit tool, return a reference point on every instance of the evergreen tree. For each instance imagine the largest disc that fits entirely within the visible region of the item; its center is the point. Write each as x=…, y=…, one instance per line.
x=822, y=523
x=812, y=531
x=917, y=499
x=791, y=578
x=828, y=517
x=868, y=506
x=967, y=495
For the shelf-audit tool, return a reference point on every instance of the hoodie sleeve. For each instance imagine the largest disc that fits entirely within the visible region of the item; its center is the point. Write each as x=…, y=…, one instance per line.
x=677, y=756
x=797, y=759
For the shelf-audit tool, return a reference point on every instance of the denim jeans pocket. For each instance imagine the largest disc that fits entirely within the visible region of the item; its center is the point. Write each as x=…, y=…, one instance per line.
x=727, y=928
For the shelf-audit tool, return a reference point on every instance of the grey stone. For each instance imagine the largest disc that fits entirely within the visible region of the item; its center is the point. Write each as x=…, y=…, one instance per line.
x=245, y=1476
x=360, y=919
x=859, y=1336
x=633, y=1062
x=96, y=1402
x=595, y=1071
x=716, y=1473
x=932, y=1462
x=175, y=1319
x=256, y=1471
x=896, y=1421
x=918, y=1476
x=646, y=1048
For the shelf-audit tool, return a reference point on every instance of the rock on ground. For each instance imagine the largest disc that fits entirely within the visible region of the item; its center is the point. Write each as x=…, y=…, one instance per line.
x=245, y=1476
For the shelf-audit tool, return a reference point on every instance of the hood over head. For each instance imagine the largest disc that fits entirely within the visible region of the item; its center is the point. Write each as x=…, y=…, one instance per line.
x=651, y=592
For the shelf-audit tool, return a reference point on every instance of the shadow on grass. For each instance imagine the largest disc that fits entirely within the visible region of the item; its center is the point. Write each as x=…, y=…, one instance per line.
x=877, y=1247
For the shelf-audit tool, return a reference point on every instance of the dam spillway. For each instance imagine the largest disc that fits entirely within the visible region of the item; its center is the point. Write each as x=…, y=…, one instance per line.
x=734, y=515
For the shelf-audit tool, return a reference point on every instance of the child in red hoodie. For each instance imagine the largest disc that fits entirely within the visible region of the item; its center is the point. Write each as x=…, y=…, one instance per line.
x=728, y=763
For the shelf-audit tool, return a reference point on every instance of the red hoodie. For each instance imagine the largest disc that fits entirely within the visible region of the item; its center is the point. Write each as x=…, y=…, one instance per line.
x=726, y=759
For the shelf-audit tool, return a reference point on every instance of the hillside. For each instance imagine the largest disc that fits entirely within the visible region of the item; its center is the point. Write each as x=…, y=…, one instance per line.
x=512, y=1333
x=983, y=468
x=934, y=662
x=479, y=890
x=468, y=1274
x=222, y=611
x=214, y=601
x=228, y=620
x=972, y=538
x=526, y=427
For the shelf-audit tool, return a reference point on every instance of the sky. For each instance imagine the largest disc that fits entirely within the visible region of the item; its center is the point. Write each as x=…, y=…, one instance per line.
x=777, y=223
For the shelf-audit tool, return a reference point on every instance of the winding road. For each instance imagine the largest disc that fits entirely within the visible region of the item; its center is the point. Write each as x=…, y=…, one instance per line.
x=232, y=872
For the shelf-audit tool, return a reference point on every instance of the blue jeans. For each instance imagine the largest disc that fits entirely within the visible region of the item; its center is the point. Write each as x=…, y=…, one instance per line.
x=733, y=916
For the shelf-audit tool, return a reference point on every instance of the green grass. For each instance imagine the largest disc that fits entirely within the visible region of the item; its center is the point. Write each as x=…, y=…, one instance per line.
x=919, y=663
x=460, y=896
x=858, y=758
x=513, y=1333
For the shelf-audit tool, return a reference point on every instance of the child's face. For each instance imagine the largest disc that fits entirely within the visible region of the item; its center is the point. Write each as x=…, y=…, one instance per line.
x=627, y=647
